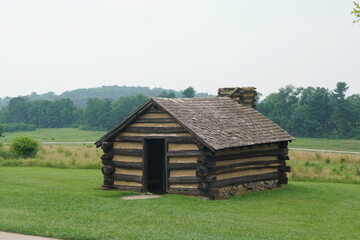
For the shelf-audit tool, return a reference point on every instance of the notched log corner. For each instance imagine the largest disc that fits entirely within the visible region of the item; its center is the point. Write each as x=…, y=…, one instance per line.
x=107, y=156
x=108, y=170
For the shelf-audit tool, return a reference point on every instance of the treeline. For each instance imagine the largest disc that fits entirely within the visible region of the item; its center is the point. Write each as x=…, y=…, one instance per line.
x=304, y=112
x=314, y=112
x=80, y=96
x=22, y=114
x=99, y=114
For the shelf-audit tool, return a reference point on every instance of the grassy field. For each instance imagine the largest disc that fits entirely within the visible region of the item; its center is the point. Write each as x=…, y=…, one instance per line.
x=305, y=166
x=58, y=156
x=67, y=203
x=57, y=135
x=77, y=135
x=324, y=167
x=326, y=144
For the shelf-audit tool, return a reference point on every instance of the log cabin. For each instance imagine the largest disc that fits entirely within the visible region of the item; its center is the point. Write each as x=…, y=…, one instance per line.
x=214, y=147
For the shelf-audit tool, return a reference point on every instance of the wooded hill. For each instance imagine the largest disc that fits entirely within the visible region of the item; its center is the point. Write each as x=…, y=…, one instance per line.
x=79, y=96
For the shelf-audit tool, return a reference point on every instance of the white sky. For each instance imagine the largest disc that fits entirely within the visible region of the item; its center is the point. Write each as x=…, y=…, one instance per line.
x=48, y=45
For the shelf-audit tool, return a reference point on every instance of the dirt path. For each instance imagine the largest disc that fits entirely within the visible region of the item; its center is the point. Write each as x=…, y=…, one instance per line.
x=15, y=236
x=321, y=150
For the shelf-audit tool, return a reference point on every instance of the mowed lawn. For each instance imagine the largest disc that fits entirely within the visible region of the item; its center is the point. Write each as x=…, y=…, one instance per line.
x=67, y=203
x=57, y=135
x=350, y=145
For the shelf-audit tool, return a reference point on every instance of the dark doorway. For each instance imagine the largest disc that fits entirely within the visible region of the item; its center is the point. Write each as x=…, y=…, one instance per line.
x=155, y=173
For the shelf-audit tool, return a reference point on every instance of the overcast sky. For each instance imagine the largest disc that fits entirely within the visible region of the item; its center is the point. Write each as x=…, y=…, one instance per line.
x=48, y=45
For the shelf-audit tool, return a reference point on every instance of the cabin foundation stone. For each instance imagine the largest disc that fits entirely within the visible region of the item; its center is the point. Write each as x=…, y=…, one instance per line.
x=236, y=190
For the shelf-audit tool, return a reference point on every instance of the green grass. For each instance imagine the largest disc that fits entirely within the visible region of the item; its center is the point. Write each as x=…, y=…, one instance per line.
x=327, y=144
x=67, y=203
x=77, y=135
x=57, y=135
x=324, y=167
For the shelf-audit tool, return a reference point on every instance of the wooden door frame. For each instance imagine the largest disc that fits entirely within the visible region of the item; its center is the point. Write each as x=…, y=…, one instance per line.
x=145, y=162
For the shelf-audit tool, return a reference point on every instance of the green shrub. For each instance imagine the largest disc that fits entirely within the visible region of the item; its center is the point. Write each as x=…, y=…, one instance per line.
x=25, y=146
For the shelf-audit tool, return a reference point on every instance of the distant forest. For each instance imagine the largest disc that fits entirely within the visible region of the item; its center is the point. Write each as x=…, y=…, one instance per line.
x=304, y=112
x=314, y=112
x=80, y=96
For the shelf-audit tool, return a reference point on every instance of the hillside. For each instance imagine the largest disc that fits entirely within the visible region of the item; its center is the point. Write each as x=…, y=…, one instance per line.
x=80, y=96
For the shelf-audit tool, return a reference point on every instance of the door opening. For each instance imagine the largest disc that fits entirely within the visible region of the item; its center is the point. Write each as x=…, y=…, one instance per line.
x=155, y=170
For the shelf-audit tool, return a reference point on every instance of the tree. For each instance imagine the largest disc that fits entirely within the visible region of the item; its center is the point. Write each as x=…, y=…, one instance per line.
x=97, y=114
x=340, y=112
x=1, y=130
x=356, y=12
x=124, y=106
x=188, y=92
x=166, y=94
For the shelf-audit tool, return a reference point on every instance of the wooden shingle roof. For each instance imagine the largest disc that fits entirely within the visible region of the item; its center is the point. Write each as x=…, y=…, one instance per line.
x=222, y=122
x=218, y=122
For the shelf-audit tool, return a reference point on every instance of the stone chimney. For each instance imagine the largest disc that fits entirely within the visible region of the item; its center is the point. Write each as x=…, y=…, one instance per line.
x=243, y=95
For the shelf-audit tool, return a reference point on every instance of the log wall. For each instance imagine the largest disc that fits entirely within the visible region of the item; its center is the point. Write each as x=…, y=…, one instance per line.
x=125, y=154
x=237, y=166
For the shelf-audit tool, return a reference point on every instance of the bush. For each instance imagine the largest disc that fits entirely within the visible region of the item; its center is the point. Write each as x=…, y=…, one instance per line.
x=25, y=146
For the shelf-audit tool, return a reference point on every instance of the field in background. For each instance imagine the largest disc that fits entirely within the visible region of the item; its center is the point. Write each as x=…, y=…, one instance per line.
x=77, y=135
x=327, y=144
x=56, y=135
x=68, y=204
x=60, y=156
x=324, y=167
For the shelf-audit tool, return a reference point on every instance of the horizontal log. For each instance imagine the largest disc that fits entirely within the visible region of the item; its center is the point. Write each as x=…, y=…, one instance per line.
x=170, y=139
x=283, y=157
x=108, y=187
x=181, y=180
x=206, y=157
x=130, y=138
x=283, y=168
x=203, y=186
x=155, y=110
x=274, y=152
x=250, y=167
x=126, y=177
x=131, y=165
x=156, y=129
x=108, y=170
x=283, y=180
x=210, y=178
x=108, y=180
x=107, y=156
x=175, y=166
x=129, y=152
x=202, y=171
x=107, y=145
x=155, y=120
x=183, y=153
x=283, y=144
x=248, y=163
x=246, y=179
x=181, y=139
x=129, y=188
